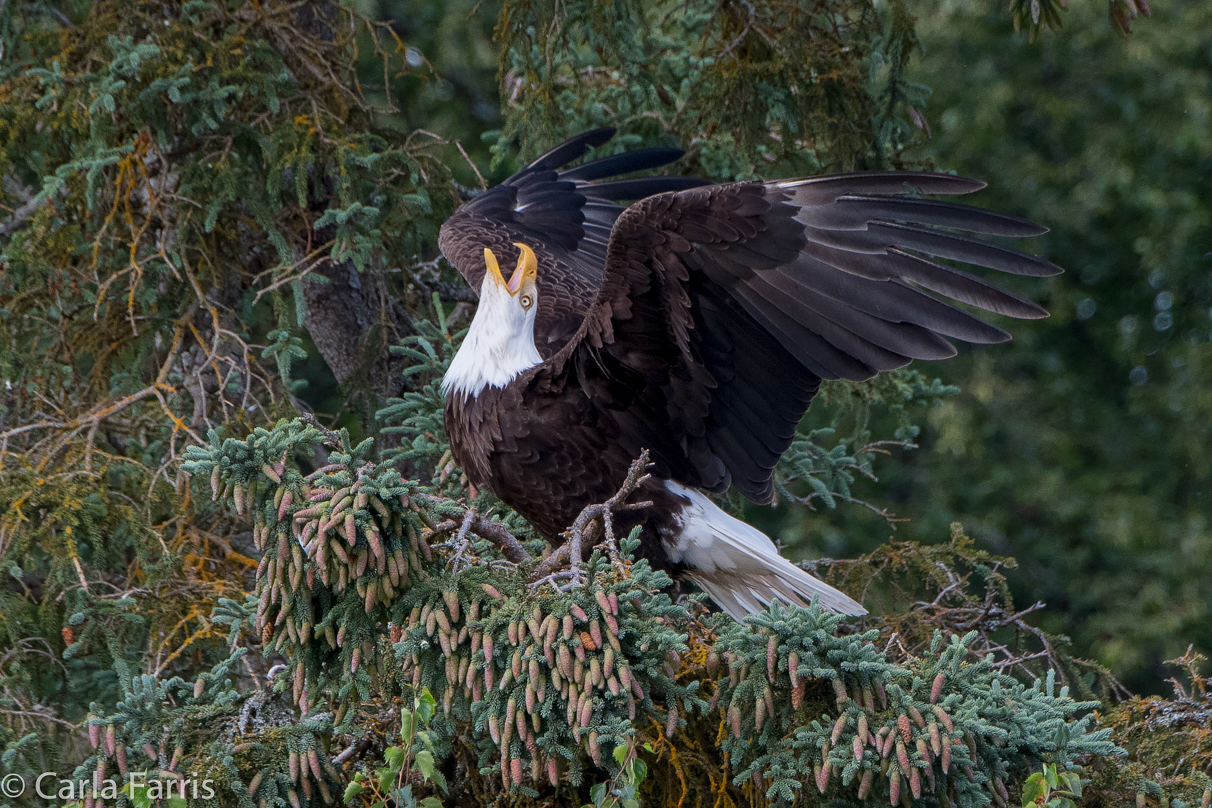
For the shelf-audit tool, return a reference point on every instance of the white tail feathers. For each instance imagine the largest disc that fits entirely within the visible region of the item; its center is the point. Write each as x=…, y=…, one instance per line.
x=739, y=594
x=738, y=566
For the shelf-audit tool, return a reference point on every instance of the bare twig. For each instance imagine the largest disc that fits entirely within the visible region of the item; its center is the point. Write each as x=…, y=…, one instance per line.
x=482, y=526
x=584, y=529
x=331, y=437
x=748, y=26
x=462, y=557
x=354, y=749
x=560, y=556
x=470, y=162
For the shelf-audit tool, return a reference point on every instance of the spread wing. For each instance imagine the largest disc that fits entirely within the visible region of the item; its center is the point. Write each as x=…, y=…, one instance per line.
x=565, y=216
x=722, y=308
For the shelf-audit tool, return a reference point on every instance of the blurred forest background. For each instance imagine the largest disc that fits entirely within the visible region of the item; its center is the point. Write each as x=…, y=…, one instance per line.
x=1081, y=447
x=175, y=177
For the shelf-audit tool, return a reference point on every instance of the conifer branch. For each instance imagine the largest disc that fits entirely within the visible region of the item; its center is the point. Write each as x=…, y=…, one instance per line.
x=475, y=522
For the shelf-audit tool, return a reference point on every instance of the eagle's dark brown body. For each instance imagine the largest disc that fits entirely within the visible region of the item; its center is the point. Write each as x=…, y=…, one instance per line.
x=549, y=477
x=717, y=313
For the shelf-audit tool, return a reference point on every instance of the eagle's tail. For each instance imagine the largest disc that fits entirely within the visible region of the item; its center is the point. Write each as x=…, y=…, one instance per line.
x=738, y=565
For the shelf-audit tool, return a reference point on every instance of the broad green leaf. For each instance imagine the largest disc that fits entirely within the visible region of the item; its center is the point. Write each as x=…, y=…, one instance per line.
x=425, y=763
x=394, y=757
x=425, y=706
x=137, y=792
x=352, y=790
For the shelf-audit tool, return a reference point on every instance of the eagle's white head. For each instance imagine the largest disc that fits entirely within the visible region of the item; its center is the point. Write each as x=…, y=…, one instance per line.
x=500, y=343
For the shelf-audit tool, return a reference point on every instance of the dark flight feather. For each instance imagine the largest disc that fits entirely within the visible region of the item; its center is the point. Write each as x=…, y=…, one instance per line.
x=854, y=212
x=625, y=163
x=572, y=149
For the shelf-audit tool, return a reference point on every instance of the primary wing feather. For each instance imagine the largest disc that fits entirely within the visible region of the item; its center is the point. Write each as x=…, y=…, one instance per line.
x=722, y=308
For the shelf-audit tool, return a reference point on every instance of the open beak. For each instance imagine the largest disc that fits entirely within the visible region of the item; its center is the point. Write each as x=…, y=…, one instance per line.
x=527, y=268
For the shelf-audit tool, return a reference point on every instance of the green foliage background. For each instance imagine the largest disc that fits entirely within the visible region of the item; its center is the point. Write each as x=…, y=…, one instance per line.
x=1080, y=448
x=217, y=215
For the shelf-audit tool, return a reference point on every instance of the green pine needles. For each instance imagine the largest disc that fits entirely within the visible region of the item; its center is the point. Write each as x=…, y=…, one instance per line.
x=808, y=707
x=538, y=682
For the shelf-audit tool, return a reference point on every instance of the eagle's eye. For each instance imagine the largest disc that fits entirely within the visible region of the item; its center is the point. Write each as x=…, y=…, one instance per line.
x=527, y=301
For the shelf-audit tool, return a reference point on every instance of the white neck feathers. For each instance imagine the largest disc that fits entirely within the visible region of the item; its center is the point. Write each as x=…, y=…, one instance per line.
x=498, y=347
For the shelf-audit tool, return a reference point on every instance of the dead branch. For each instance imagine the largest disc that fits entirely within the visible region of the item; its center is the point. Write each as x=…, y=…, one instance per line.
x=474, y=522
x=584, y=528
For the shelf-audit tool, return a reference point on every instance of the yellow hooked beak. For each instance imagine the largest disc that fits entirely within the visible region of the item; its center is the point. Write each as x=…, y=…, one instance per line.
x=526, y=270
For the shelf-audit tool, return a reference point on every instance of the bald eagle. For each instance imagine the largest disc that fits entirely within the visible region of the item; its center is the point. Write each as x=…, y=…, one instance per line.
x=697, y=324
